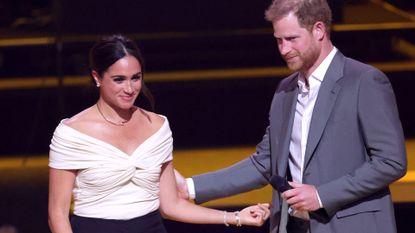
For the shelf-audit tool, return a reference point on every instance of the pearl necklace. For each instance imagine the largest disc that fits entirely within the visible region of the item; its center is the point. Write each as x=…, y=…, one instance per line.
x=122, y=123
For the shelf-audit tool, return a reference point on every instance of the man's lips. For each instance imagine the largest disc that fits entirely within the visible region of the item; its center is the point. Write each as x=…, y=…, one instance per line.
x=290, y=57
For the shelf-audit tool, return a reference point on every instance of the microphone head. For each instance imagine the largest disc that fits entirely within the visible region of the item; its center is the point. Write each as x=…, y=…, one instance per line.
x=279, y=183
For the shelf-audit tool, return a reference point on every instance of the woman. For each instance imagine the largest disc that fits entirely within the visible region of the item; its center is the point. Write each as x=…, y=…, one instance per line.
x=115, y=159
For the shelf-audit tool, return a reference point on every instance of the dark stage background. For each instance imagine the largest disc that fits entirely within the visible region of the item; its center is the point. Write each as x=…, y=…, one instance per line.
x=40, y=39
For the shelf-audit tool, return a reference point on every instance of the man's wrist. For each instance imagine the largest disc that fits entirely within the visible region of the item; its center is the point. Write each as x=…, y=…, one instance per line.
x=191, y=188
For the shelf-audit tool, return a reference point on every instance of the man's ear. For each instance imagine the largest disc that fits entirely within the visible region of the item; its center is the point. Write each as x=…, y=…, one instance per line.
x=319, y=30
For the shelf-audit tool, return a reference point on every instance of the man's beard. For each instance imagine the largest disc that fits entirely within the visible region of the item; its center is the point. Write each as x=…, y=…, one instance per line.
x=304, y=60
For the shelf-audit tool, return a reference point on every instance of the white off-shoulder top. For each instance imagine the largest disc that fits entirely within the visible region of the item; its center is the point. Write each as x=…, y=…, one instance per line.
x=111, y=184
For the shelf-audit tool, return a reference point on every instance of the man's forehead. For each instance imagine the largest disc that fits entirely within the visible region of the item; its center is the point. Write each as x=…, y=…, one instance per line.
x=288, y=32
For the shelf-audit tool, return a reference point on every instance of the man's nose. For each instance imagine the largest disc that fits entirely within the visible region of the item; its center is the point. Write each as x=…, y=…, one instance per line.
x=284, y=48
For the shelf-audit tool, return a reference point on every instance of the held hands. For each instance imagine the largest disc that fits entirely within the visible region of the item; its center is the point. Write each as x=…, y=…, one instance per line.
x=302, y=197
x=255, y=215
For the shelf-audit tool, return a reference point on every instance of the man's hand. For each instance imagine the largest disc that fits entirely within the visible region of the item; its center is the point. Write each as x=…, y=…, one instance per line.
x=302, y=197
x=182, y=189
x=255, y=215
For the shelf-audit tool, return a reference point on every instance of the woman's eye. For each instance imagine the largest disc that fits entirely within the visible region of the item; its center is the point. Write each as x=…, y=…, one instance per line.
x=136, y=77
x=118, y=80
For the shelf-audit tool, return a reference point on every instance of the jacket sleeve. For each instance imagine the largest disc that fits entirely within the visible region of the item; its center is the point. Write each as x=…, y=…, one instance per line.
x=248, y=174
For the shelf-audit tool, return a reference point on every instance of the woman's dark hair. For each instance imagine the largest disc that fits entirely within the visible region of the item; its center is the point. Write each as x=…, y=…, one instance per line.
x=112, y=48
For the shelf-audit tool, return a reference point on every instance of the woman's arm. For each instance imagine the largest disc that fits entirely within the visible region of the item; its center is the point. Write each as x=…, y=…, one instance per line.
x=175, y=208
x=60, y=192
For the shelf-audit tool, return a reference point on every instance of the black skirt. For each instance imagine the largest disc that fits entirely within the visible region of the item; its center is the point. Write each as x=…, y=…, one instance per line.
x=150, y=223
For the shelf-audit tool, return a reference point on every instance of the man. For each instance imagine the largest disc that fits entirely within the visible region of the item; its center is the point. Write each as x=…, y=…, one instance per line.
x=334, y=130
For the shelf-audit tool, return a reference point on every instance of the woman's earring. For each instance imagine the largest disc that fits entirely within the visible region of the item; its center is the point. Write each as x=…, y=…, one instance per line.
x=98, y=84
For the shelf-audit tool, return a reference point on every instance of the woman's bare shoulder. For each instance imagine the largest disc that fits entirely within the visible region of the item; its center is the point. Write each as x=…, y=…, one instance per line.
x=82, y=119
x=154, y=119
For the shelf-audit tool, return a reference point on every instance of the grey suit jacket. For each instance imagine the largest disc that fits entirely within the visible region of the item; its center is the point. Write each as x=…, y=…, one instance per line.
x=355, y=149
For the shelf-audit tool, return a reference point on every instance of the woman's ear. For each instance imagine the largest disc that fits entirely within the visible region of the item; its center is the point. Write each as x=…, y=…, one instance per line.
x=97, y=80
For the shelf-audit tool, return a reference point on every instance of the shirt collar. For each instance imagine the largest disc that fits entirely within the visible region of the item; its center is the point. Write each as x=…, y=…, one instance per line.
x=324, y=66
x=318, y=75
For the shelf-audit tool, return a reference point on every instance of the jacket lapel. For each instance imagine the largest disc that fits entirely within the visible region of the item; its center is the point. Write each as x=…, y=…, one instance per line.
x=326, y=99
x=288, y=109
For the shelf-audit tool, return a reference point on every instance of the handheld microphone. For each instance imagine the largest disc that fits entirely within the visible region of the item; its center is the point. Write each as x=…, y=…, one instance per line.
x=279, y=183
